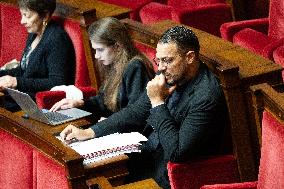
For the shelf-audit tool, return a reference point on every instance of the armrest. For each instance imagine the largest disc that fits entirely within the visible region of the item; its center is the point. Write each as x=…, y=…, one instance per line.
x=244, y=185
x=270, y=48
x=278, y=56
x=46, y=99
x=228, y=30
x=212, y=16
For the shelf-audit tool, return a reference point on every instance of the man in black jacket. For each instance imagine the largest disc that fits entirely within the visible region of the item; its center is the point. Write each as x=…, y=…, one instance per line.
x=180, y=112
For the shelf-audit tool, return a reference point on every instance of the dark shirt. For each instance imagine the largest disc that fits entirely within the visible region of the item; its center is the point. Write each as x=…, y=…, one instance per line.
x=134, y=81
x=50, y=64
x=193, y=129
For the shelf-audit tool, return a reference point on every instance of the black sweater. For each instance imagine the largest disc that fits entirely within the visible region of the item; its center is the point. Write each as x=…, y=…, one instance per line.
x=51, y=63
x=134, y=81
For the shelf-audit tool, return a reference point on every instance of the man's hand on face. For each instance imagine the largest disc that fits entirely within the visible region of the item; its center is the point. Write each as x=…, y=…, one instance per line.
x=158, y=91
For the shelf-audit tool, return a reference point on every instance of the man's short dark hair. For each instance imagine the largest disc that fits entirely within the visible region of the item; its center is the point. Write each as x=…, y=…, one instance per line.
x=42, y=7
x=185, y=38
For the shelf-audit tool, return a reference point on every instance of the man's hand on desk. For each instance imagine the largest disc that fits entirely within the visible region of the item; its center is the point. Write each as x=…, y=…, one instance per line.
x=72, y=132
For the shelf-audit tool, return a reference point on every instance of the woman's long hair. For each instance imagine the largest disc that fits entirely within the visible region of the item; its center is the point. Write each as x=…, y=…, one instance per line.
x=110, y=31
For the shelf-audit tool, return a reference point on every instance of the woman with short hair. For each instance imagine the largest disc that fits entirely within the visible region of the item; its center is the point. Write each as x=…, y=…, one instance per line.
x=48, y=59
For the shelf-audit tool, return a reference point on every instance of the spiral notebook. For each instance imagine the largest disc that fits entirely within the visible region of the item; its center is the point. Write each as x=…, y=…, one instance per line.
x=107, y=146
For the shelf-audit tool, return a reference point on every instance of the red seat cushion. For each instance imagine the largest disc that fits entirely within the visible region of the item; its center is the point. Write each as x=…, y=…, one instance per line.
x=252, y=40
x=134, y=5
x=207, y=15
x=154, y=12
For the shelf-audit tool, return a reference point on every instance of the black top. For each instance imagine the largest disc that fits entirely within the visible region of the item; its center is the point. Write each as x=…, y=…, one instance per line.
x=50, y=64
x=193, y=129
x=134, y=81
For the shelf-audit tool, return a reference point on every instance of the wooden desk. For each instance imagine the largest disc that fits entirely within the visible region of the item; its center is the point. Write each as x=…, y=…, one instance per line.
x=114, y=169
x=86, y=11
x=237, y=69
x=30, y=148
x=86, y=7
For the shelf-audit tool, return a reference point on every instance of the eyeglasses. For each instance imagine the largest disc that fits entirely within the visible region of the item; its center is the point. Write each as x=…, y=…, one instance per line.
x=163, y=61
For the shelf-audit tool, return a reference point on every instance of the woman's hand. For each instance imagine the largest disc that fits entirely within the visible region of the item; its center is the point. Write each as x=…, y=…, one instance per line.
x=72, y=132
x=8, y=82
x=66, y=103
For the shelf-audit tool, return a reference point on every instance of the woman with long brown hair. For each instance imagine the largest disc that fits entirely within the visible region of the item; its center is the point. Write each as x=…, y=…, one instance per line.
x=127, y=70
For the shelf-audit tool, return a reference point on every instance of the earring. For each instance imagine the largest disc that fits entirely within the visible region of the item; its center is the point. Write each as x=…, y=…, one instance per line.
x=44, y=24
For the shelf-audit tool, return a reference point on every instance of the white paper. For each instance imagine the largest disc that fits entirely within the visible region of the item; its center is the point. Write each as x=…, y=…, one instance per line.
x=108, y=146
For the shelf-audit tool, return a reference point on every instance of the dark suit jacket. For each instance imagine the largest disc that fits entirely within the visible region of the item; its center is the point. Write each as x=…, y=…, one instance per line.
x=194, y=129
x=51, y=63
x=134, y=81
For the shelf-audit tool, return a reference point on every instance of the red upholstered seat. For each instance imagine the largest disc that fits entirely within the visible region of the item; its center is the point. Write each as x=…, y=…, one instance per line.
x=134, y=5
x=206, y=170
x=12, y=34
x=261, y=36
x=207, y=15
x=271, y=169
x=25, y=167
x=148, y=51
x=46, y=99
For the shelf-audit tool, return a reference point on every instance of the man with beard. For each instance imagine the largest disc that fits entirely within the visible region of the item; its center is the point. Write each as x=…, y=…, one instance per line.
x=180, y=111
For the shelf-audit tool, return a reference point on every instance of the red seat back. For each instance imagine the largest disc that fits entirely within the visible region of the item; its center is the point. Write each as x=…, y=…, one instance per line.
x=23, y=166
x=271, y=170
x=148, y=51
x=73, y=29
x=12, y=34
x=276, y=19
x=204, y=170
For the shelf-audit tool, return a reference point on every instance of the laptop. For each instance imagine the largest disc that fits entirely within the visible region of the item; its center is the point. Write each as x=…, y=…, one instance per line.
x=53, y=118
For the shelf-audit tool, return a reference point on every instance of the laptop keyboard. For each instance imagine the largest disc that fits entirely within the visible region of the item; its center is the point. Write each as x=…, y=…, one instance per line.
x=56, y=117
